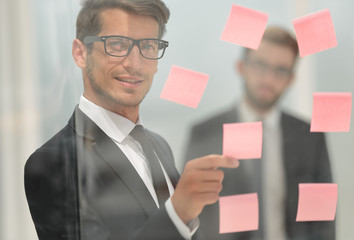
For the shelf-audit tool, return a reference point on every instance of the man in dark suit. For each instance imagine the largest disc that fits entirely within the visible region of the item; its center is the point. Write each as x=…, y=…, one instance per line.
x=291, y=154
x=104, y=176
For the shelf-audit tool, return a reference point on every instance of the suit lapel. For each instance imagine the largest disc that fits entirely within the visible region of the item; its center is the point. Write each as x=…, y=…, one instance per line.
x=108, y=151
x=290, y=153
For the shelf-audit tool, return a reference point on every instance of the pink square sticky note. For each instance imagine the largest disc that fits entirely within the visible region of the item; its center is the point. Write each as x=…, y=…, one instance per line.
x=315, y=32
x=245, y=27
x=184, y=86
x=243, y=140
x=317, y=202
x=331, y=112
x=239, y=213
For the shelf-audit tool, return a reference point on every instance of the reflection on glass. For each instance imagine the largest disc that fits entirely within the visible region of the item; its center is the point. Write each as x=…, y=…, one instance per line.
x=80, y=185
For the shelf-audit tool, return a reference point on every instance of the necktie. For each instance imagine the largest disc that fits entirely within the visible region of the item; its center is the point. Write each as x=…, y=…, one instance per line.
x=158, y=178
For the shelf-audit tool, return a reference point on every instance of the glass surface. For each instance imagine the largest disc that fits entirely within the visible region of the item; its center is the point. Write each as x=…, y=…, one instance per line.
x=194, y=30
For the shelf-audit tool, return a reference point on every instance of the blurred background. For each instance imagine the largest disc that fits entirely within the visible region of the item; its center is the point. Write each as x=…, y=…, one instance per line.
x=40, y=85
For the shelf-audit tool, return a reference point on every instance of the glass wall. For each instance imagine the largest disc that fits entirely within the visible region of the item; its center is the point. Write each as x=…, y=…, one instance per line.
x=41, y=85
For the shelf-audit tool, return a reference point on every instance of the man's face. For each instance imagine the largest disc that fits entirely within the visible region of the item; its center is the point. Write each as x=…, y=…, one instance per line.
x=120, y=83
x=267, y=72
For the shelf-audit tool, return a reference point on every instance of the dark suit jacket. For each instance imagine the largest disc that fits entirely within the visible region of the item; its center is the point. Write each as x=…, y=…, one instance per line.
x=80, y=185
x=305, y=160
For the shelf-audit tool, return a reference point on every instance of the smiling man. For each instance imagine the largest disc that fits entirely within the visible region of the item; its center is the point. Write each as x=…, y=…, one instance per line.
x=290, y=154
x=104, y=175
x=117, y=83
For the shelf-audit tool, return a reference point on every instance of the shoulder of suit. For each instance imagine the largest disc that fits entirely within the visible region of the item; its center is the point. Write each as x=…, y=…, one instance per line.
x=288, y=118
x=51, y=157
x=293, y=125
x=60, y=144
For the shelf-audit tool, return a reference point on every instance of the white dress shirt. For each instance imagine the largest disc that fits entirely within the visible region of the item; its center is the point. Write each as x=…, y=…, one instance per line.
x=118, y=128
x=273, y=173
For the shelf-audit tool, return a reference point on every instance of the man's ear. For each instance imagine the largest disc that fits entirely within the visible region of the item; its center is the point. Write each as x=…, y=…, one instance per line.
x=240, y=67
x=79, y=52
x=291, y=79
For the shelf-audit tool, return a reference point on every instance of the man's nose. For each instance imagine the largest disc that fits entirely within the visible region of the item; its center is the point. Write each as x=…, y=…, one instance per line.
x=134, y=59
x=269, y=75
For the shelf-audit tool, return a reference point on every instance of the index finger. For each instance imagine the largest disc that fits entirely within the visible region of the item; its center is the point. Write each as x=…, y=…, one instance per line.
x=213, y=162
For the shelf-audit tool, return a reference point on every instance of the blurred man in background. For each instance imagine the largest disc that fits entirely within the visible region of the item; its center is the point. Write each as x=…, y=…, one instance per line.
x=290, y=154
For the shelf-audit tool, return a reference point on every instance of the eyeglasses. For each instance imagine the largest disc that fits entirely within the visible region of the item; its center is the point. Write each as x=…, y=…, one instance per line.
x=262, y=67
x=120, y=46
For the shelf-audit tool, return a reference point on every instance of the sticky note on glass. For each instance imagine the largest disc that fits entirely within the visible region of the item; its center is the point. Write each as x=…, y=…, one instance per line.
x=239, y=213
x=331, y=112
x=184, y=86
x=245, y=27
x=317, y=202
x=243, y=140
x=315, y=32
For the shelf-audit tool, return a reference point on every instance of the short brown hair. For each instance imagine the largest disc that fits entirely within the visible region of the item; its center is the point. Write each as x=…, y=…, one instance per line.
x=280, y=36
x=88, y=22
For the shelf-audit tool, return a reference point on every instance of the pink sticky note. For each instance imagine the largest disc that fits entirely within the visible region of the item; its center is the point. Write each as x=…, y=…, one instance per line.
x=239, y=213
x=331, y=112
x=317, y=202
x=245, y=27
x=243, y=140
x=315, y=32
x=184, y=86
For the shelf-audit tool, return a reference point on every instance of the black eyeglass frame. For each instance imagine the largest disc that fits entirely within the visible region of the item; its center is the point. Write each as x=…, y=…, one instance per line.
x=280, y=72
x=92, y=39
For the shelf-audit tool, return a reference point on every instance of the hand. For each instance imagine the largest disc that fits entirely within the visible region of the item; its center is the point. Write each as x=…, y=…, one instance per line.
x=200, y=185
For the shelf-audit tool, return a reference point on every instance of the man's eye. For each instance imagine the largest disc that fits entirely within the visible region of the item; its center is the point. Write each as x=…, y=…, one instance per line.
x=260, y=65
x=148, y=45
x=118, y=45
x=282, y=71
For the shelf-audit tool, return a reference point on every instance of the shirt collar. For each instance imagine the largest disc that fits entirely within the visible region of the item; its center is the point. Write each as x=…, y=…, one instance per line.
x=247, y=114
x=114, y=125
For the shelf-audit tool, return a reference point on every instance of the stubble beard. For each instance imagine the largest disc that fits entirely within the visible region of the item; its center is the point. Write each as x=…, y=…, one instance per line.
x=258, y=103
x=105, y=95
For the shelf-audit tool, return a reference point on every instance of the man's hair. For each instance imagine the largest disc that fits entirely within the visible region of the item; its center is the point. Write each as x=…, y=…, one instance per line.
x=279, y=36
x=89, y=23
